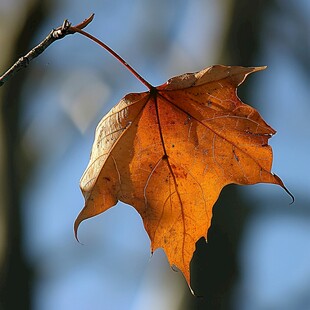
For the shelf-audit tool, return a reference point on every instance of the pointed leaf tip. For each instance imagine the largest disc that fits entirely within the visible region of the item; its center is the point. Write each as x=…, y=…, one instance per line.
x=75, y=228
x=280, y=182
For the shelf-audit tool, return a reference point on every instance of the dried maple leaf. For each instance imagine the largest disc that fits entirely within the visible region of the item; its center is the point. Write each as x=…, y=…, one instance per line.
x=169, y=152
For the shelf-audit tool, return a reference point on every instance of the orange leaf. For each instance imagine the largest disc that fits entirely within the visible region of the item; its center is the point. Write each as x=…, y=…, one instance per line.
x=169, y=152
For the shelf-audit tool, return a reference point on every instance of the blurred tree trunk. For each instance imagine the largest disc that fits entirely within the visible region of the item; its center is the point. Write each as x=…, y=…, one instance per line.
x=16, y=275
x=214, y=266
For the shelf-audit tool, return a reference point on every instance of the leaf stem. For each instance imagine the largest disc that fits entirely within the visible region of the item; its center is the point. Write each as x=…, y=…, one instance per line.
x=113, y=53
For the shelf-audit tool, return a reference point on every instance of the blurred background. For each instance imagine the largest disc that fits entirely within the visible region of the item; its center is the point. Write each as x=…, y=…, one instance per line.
x=258, y=251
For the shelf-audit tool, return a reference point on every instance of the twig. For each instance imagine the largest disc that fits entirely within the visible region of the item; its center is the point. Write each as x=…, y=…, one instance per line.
x=54, y=35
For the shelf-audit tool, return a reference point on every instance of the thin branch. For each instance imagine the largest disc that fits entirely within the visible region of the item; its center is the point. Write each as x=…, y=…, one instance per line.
x=54, y=35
